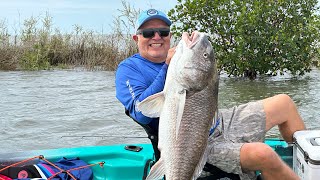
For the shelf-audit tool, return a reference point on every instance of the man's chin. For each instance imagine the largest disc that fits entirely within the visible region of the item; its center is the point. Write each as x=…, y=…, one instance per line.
x=157, y=58
x=157, y=55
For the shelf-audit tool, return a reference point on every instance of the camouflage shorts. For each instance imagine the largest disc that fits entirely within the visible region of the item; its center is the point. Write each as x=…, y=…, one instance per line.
x=239, y=125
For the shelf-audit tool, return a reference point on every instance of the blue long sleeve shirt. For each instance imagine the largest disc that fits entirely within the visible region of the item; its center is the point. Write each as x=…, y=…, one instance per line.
x=136, y=79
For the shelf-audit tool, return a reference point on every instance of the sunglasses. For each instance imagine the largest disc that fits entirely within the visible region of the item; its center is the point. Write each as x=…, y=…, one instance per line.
x=149, y=33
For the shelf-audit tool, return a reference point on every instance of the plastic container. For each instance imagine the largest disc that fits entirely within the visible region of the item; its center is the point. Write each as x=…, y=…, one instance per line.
x=306, y=154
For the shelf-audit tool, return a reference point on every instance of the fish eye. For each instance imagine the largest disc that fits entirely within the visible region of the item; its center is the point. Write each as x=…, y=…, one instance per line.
x=205, y=55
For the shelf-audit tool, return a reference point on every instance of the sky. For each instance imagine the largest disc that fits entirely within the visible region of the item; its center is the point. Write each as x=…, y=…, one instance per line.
x=96, y=15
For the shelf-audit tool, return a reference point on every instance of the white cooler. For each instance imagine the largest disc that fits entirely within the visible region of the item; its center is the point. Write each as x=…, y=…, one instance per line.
x=306, y=154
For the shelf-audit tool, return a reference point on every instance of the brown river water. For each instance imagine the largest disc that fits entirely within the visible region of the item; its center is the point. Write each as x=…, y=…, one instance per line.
x=68, y=108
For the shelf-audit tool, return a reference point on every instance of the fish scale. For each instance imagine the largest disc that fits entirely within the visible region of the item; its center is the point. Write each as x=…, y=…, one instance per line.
x=186, y=108
x=191, y=141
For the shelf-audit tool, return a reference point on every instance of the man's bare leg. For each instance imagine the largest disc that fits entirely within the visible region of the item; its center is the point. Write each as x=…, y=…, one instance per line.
x=259, y=156
x=280, y=110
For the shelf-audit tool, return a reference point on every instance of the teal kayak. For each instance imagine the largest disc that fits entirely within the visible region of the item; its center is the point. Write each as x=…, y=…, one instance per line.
x=116, y=162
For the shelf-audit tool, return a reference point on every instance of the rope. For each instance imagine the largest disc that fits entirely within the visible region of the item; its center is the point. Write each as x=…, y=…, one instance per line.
x=60, y=170
x=20, y=162
x=52, y=164
x=77, y=168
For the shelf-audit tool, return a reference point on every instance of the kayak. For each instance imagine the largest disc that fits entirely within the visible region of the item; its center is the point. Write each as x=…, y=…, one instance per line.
x=114, y=162
x=119, y=161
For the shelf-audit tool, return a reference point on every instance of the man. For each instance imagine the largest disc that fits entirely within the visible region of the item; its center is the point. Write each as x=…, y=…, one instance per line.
x=237, y=144
x=144, y=74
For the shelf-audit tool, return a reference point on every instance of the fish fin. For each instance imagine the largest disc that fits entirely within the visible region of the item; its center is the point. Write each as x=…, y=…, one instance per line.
x=201, y=163
x=152, y=105
x=181, y=98
x=157, y=171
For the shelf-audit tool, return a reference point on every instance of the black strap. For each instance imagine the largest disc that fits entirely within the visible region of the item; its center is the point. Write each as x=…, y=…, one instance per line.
x=148, y=164
x=152, y=135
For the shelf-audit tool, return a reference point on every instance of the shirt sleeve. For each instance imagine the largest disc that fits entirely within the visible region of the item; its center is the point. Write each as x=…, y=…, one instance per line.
x=132, y=87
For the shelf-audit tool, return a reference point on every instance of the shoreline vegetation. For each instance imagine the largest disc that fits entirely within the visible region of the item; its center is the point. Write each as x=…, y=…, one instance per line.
x=44, y=48
x=36, y=45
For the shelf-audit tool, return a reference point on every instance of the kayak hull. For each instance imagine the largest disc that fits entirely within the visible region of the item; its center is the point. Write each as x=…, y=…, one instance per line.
x=120, y=161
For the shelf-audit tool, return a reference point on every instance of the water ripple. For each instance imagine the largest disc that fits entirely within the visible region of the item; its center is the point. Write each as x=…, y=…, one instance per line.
x=38, y=109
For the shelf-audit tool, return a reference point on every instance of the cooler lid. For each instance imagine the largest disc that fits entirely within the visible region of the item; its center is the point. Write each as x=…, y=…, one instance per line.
x=308, y=142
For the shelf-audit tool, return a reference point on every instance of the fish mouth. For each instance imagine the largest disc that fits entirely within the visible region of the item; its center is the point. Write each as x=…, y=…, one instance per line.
x=192, y=40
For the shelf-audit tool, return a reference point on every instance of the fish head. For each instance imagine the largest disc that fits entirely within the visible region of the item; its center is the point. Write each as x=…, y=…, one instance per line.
x=194, y=61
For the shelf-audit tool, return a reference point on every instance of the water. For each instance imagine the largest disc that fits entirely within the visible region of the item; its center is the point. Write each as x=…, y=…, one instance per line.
x=66, y=108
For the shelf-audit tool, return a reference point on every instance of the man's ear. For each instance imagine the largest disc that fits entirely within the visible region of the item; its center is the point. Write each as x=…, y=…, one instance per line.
x=135, y=37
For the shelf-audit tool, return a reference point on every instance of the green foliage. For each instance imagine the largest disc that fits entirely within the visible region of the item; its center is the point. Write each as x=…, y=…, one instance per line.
x=35, y=56
x=253, y=37
x=35, y=59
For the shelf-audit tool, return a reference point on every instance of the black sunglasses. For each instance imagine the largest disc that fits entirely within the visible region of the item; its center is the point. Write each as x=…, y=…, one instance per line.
x=149, y=33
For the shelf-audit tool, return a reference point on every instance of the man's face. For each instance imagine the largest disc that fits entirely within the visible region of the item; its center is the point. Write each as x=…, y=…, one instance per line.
x=155, y=48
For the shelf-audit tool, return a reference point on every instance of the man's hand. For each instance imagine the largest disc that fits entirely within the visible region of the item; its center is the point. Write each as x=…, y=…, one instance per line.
x=170, y=54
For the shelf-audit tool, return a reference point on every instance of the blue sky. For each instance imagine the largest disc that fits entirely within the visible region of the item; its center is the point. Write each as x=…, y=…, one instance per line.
x=94, y=15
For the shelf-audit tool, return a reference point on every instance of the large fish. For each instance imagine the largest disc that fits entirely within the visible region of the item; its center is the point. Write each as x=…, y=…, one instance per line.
x=186, y=108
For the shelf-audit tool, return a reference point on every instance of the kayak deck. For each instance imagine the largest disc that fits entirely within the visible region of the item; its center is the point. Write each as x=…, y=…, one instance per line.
x=120, y=161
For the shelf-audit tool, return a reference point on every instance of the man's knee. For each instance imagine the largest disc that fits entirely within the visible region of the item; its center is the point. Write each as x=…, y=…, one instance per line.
x=258, y=156
x=280, y=102
x=285, y=100
x=279, y=109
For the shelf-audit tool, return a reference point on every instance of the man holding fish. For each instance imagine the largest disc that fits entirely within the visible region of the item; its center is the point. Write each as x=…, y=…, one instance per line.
x=184, y=95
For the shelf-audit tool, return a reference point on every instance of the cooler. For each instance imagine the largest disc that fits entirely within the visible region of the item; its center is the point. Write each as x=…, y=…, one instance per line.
x=306, y=154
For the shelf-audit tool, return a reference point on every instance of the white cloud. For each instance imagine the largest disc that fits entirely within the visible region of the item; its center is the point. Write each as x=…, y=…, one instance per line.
x=87, y=13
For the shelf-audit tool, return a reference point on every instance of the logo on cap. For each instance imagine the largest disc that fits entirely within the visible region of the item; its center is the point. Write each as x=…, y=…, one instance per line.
x=152, y=12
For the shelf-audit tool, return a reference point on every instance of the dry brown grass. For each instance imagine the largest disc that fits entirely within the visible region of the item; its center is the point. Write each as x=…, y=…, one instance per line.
x=37, y=48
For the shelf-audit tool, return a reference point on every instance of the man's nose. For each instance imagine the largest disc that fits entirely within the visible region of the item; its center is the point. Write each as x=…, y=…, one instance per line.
x=157, y=35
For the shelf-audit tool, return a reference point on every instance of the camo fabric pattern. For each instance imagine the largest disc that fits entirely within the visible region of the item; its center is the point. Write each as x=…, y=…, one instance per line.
x=239, y=125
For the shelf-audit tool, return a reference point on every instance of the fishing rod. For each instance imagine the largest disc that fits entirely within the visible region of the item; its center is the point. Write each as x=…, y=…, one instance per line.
x=101, y=136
